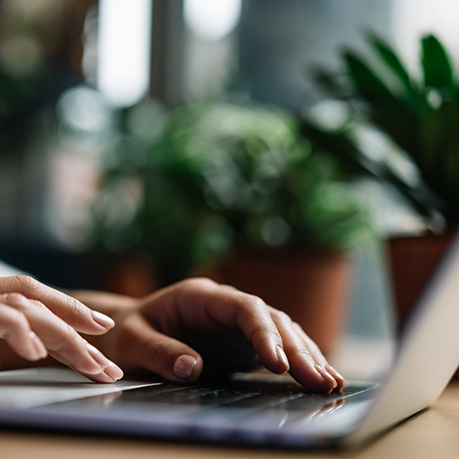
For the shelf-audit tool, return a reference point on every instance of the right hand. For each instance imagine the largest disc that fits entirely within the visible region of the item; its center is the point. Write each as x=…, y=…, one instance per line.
x=36, y=320
x=176, y=330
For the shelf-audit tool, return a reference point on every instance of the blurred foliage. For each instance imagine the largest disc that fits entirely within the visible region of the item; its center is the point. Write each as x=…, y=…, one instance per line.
x=201, y=180
x=37, y=64
x=418, y=118
x=24, y=101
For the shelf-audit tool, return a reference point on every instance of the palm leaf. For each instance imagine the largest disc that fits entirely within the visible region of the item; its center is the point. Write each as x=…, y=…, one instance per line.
x=366, y=81
x=392, y=115
x=391, y=59
x=438, y=72
x=439, y=162
x=353, y=161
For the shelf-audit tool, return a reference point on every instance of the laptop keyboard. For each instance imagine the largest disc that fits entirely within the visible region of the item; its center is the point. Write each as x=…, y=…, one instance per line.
x=250, y=411
x=248, y=396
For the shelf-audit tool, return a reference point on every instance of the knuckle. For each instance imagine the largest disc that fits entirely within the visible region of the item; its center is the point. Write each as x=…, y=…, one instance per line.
x=282, y=317
x=260, y=334
x=252, y=301
x=188, y=288
x=206, y=281
x=298, y=327
x=229, y=287
x=314, y=348
x=155, y=352
x=300, y=330
x=69, y=339
x=201, y=282
x=72, y=310
x=253, y=308
x=38, y=304
x=14, y=298
x=17, y=321
x=304, y=352
x=69, y=332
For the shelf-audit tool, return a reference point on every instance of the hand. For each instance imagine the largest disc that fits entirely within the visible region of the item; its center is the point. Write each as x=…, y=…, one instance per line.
x=176, y=331
x=36, y=320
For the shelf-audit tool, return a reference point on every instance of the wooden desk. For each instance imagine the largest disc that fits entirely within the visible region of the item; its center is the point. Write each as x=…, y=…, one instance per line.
x=432, y=434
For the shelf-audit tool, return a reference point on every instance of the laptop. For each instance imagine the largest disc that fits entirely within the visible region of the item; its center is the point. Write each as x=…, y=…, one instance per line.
x=256, y=409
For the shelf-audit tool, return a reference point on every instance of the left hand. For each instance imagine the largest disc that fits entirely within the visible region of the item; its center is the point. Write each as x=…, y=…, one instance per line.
x=37, y=321
x=175, y=331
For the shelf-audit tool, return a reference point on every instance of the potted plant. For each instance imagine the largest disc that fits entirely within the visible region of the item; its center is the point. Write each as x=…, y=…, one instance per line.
x=418, y=119
x=236, y=193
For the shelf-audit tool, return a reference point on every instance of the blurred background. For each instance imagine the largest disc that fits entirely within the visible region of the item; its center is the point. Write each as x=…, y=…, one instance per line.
x=145, y=141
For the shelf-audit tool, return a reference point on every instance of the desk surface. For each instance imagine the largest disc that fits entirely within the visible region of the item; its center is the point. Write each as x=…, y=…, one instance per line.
x=434, y=433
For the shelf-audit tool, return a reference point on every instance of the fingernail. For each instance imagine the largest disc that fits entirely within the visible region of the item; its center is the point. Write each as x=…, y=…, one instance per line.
x=40, y=349
x=98, y=356
x=336, y=375
x=102, y=319
x=110, y=368
x=282, y=358
x=326, y=376
x=319, y=374
x=114, y=371
x=103, y=378
x=183, y=366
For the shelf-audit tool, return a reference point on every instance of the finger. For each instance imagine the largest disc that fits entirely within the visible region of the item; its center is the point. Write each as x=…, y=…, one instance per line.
x=303, y=365
x=15, y=329
x=61, y=340
x=111, y=371
x=159, y=353
x=69, y=309
x=238, y=311
x=319, y=357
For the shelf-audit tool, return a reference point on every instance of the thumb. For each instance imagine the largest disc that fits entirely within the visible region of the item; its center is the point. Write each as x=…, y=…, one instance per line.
x=163, y=355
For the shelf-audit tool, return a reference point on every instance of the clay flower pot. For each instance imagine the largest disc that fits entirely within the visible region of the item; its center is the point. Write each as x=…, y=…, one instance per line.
x=312, y=288
x=412, y=260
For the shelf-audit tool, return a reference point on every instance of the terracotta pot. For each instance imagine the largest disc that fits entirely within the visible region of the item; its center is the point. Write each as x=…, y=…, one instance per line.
x=312, y=288
x=412, y=260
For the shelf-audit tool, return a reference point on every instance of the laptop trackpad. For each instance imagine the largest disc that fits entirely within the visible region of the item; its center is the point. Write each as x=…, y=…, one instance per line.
x=34, y=387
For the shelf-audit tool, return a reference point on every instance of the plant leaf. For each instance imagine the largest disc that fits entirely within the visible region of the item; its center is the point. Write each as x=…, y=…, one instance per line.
x=366, y=81
x=439, y=159
x=391, y=114
x=339, y=143
x=355, y=162
x=390, y=57
x=438, y=72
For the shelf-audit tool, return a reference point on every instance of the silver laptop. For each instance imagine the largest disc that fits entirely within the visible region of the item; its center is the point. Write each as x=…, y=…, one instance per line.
x=255, y=409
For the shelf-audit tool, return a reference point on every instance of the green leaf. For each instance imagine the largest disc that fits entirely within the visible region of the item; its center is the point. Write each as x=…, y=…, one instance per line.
x=390, y=113
x=439, y=160
x=438, y=72
x=390, y=57
x=366, y=81
x=353, y=161
x=339, y=143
